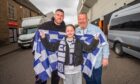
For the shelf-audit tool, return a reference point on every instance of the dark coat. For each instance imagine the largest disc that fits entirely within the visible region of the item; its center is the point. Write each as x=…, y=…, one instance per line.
x=50, y=25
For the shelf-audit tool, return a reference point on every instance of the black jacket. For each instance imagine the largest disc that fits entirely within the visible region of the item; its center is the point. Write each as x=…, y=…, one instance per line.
x=50, y=25
x=78, y=51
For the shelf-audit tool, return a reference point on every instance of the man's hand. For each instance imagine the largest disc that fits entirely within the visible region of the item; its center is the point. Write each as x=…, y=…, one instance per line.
x=96, y=37
x=105, y=62
x=42, y=34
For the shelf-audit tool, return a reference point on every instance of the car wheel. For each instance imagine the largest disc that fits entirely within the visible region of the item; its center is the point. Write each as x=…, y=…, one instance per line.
x=118, y=49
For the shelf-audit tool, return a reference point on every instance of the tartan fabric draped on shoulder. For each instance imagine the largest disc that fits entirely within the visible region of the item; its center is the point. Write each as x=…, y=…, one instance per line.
x=46, y=61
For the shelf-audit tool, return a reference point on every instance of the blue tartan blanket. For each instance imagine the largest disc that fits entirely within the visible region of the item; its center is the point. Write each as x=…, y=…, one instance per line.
x=45, y=61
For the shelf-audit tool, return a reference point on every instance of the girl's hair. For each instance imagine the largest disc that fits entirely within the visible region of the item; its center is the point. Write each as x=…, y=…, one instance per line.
x=71, y=25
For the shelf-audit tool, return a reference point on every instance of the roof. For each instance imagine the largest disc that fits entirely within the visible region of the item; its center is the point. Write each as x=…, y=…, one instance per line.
x=31, y=21
x=47, y=17
x=127, y=11
x=29, y=5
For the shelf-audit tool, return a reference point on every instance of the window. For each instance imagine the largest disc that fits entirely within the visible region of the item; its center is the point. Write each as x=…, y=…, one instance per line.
x=127, y=26
x=132, y=26
x=26, y=12
x=29, y=30
x=0, y=7
x=11, y=9
x=126, y=23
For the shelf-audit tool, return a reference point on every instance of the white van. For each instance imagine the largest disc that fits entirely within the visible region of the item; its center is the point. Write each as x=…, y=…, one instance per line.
x=29, y=26
x=124, y=31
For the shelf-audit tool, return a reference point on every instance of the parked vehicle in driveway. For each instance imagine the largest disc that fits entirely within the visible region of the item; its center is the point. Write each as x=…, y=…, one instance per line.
x=124, y=31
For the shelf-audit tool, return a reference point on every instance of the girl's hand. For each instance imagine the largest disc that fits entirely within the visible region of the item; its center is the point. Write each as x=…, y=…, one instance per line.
x=42, y=34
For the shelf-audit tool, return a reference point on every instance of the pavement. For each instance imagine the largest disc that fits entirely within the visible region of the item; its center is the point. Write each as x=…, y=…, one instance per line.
x=8, y=49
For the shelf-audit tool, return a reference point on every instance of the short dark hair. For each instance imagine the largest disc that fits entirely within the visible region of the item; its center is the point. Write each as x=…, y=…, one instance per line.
x=61, y=10
x=83, y=13
x=71, y=25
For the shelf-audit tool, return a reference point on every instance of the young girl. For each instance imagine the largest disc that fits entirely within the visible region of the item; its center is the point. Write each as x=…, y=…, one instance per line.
x=73, y=50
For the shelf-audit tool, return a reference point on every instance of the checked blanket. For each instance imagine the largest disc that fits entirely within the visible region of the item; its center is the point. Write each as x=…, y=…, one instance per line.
x=46, y=61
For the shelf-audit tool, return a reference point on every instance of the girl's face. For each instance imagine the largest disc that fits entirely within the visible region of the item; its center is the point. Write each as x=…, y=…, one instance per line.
x=70, y=31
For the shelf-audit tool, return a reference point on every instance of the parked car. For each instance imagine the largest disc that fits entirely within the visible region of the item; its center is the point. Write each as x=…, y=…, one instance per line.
x=124, y=31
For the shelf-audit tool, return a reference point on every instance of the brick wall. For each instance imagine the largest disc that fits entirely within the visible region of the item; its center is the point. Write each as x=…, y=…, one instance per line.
x=3, y=22
x=20, y=12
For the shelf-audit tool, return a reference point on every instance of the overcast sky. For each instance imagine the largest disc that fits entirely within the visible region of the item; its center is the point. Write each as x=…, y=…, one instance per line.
x=69, y=7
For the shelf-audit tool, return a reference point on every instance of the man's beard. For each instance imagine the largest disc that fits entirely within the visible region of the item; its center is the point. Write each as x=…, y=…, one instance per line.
x=57, y=23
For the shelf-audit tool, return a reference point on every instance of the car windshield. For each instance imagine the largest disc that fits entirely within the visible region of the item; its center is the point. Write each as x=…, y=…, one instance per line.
x=29, y=30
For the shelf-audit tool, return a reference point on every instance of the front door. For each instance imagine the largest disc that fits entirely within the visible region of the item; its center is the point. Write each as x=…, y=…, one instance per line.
x=13, y=34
